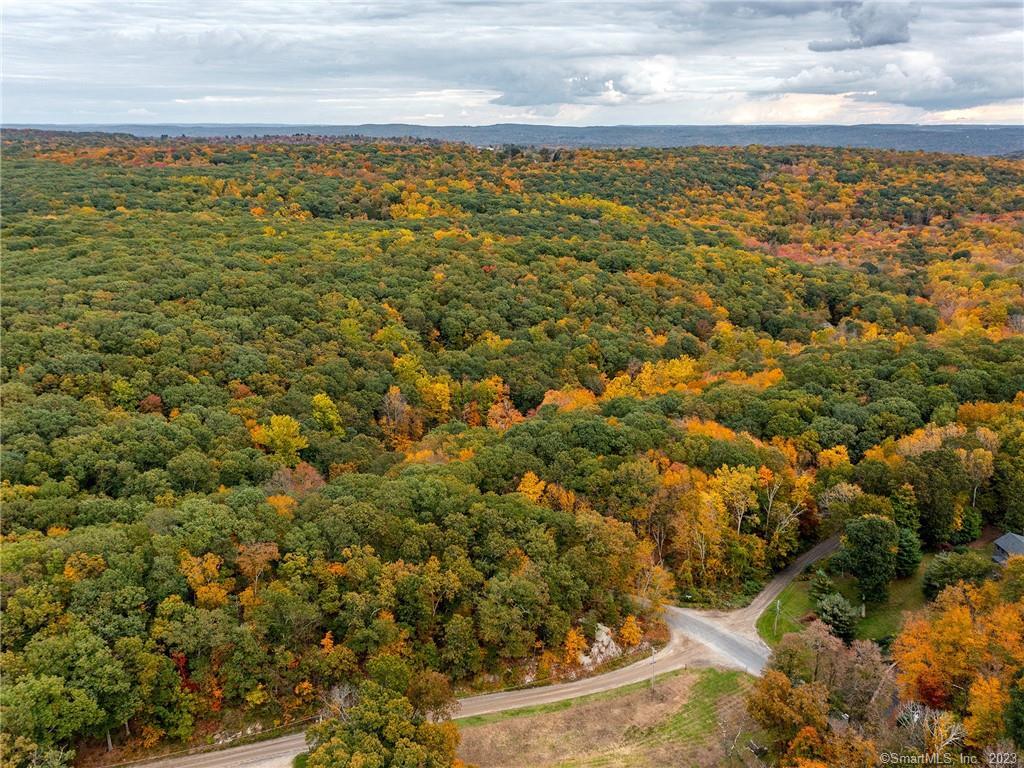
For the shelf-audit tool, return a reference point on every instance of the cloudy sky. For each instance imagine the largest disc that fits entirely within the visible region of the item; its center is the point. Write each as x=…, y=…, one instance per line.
x=559, y=61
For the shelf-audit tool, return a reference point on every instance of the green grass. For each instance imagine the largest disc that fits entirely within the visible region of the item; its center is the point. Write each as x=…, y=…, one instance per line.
x=881, y=621
x=885, y=619
x=694, y=723
x=697, y=717
x=300, y=760
x=795, y=602
x=558, y=706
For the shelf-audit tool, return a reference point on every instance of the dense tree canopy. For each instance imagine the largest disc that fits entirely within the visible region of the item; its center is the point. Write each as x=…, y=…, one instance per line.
x=283, y=417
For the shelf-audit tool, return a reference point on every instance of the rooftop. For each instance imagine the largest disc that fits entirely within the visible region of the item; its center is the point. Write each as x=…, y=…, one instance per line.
x=1013, y=543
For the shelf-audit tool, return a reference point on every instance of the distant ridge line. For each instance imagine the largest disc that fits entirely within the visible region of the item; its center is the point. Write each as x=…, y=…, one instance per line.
x=962, y=139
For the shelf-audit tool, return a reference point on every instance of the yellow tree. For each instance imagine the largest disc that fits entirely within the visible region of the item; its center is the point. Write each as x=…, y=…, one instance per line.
x=987, y=701
x=830, y=458
x=436, y=396
x=398, y=419
x=978, y=465
x=970, y=632
x=503, y=414
x=203, y=576
x=698, y=525
x=254, y=559
x=531, y=486
x=439, y=584
x=282, y=437
x=735, y=486
x=325, y=413
x=785, y=711
x=653, y=582
x=575, y=645
x=784, y=497
x=283, y=504
x=630, y=633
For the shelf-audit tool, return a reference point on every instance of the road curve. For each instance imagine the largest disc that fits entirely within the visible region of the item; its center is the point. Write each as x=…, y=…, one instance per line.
x=723, y=638
x=279, y=752
x=734, y=649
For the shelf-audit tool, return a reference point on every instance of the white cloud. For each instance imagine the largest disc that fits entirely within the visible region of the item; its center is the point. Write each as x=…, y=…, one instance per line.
x=816, y=108
x=1010, y=111
x=469, y=61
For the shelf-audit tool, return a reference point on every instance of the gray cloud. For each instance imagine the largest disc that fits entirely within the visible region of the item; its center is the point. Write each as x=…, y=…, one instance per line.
x=570, y=61
x=786, y=8
x=872, y=24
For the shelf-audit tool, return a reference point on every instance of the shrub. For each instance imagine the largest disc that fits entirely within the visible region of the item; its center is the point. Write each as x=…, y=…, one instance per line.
x=835, y=611
x=947, y=569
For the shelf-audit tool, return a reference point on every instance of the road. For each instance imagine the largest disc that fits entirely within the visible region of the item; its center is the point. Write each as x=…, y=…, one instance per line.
x=743, y=621
x=697, y=638
x=733, y=634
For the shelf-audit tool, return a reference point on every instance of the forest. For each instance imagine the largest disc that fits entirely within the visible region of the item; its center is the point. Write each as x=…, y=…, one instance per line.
x=293, y=419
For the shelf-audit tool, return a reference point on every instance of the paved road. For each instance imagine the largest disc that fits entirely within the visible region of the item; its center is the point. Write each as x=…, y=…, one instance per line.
x=679, y=652
x=697, y=638
x=733, y=634
x=743, y=621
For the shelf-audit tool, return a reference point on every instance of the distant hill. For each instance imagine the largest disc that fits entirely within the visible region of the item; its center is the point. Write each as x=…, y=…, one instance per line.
x=963, y=139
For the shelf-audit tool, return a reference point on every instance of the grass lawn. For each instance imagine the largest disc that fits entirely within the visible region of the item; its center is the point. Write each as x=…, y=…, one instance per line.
x=794, y=603
x=883, y=620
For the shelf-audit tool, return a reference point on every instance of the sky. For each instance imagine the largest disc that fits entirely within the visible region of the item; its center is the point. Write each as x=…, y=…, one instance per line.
x=563, y=62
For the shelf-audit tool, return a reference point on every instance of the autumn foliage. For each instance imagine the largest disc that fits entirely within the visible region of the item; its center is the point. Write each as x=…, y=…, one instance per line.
x=291, y=417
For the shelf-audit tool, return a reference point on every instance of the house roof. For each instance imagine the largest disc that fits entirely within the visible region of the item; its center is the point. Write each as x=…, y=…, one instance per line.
x=1012, y=543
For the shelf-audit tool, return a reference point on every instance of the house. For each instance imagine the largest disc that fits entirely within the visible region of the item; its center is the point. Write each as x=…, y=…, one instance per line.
x=1006, y=545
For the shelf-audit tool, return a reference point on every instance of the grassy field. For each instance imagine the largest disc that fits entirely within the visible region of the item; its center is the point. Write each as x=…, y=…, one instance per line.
x=883, y=620
x=558, y=706
x=696, y=718
x=692, y=718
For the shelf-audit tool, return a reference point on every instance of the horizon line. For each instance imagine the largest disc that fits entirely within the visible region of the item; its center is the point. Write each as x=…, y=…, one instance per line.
x=528, y=125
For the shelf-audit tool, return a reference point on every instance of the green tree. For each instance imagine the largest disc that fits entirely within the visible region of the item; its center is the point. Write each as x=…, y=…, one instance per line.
x=836, y=612
x=821, y=585
x=381, y=730
x=967, y=527
x=870, y=546
x=904, y=508
x=192, y=470
x=389, y=671
x=1008, y=482
x=461, y=653
x=940, y=484
x=952, y=567
x=908, y=555
x=1014, y=714
x=87, y=663
x=48, y=710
